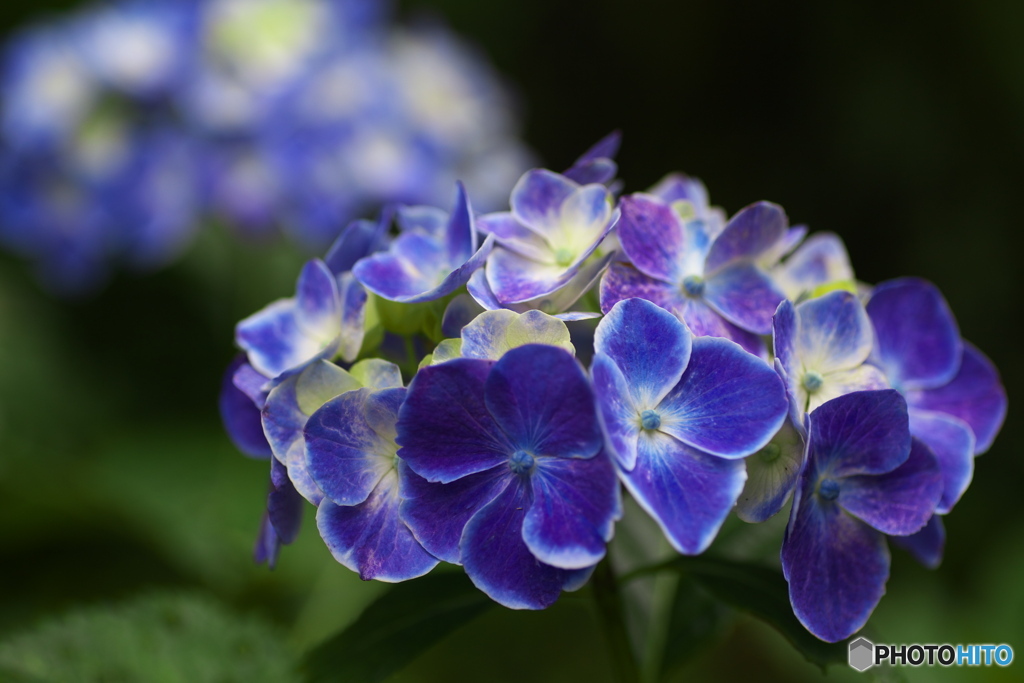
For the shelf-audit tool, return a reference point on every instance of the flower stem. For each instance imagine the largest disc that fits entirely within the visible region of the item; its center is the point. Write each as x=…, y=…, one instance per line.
x=613, y=623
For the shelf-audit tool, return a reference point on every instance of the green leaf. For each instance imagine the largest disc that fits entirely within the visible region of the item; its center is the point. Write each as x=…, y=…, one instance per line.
x=763, y=592
x=695, y=621
x=405, y=622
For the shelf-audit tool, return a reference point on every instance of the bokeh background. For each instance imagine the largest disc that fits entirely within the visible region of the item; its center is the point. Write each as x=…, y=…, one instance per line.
x=898, y=126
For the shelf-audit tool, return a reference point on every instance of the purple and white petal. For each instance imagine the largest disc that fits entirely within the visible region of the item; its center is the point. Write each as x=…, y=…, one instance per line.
x=438, y=513
x=586, y=216
x=481, y=291
x=268, y=544
x=541, y=399
x=927, y=545
x=772, y=473
x=792, y=237
x=833, y=333
x=345, y=454
x=841, y=382
x=575, y=505
x=899, y=502
x=426, y=219
x=491, y=334
x=728, y=402
x=353, y=316
x=820, y=260
x=514, y=236
x=559, y=301
x=653, y=238
x=918, y=341
x=622, y=281
x=744, y=295
x=241, y=417
x=836, y=566
x=444, y=427
x=497, y=560
x=359, y=239
x=679, y=187
x=252, y=383
x=787, y=362
x=975, y=395
x=376, y=373
x=514, y=279
x=537, y=199
x=648, y=344
x=414, y=264
x=284, y=504
x=620, y=417
x=952, y=443
x=754, y=230
x=596, y=165
x=867, y=432
x=371, y=539
x=704, y=321
x=460, y=237
x=687, y=492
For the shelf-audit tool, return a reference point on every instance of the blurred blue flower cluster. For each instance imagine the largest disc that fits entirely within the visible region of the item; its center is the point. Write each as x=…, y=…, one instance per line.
x=126, y=126
x=422, y=389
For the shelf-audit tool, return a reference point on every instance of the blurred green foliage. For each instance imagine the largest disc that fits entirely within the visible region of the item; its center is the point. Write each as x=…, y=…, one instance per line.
x=898, y=126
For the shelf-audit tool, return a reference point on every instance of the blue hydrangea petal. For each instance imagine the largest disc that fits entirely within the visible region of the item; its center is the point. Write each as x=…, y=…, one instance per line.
x=493, y=333
x=370, y=538
x=481, y=291
x=898, y=502
x=787, y=362
x=833, y=332
x=497, y=560
x=345, y=455
x=975, y=395
x=541, y=399
x=596, y=165
x=704, y=321
x=754, y=230
x=460, y=238
x=429, y=220
x=438, y=513
x=253, y=384
x=620, y=416
x=687, y=492
x=575, y=504
x=587, y=215
x=241, y=417
x=648, y=344
x=376, y=373
x=771, y=475
x=679, y=187
x=414, y=264
x=820, y=260
x=867, y=432
x=653, y=238
x=353, y=316
x=284, y=504
x=841, y=382
x=623, y=281
x=728, y=402
x=359, y=239
x=444, y=428
x=790, y=239
x=292, y=332
x=952, y=443
x=537, y=199
x=926, y=546
x=745, y=296
x=268, y=544
x=514, y=236
x=836, y=566
x=918, y=342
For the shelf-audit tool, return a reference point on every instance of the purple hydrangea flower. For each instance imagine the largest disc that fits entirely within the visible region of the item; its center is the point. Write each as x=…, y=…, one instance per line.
x=351, y=455
x=710, y=282
x=864, y=478
x=956, y=400
x=821, y=346
x=553, y=229
x=429, y=259
x=516, y=485
x=680, y=414
x=821, y=260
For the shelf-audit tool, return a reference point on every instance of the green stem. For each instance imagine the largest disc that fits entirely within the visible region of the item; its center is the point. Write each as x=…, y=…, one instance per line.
x=613, y=623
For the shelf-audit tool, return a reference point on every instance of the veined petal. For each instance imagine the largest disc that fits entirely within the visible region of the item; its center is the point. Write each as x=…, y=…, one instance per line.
x=752, y=231
x=371, y=539
x=833, y=333
x=537, y=199
x=918, y=342
x=866, y=432
x=575, y=504
x=317, y=300
x=841, y=382
x=687, y=492
x=557, y=302
x=345, y=454
x=728, y=402
x=620, y=416
x=481, y=292
x=541, y=399
x=952, y=443
x=514, y=236
x=648, y=344
x=744, y=295
x=704, y=321
x=926, y=545
x=513, y=278
x=375, y=373
x=438, y=513
x=353, y=316
x=975, y=395
x=820, y=260
x=836, y=566
x=622, y=281
x=444, y=427
x=359, y=239
x=772, y=473
x=497, y=560
x=414, y=264
x=585, y=218
x=784, y=333
x=898, y=502
x=652, y=237
x=492, y=333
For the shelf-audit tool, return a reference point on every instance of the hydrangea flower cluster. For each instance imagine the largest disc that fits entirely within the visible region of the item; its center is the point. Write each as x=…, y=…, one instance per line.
x=423, y=388
x=125, y=125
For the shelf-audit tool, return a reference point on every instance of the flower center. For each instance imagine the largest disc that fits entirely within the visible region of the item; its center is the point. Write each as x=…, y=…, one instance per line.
x=770, y=453
x=693, y=285
x=521, y=462
x=828, y=489
x=564, y=257
x=813, y=381
x=650, y=420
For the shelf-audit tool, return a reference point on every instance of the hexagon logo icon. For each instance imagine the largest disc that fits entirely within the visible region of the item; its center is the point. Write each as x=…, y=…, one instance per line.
x=862, y=654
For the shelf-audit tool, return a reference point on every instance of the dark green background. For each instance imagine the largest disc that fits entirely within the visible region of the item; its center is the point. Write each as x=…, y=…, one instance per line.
x=900, y=127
